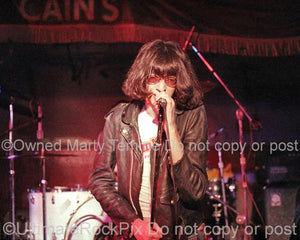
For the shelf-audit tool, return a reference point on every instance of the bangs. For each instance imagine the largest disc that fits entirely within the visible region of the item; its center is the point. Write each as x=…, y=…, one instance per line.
x=165, y=63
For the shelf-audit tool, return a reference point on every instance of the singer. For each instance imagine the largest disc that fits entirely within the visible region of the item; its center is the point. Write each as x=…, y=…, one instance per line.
x=160, y=77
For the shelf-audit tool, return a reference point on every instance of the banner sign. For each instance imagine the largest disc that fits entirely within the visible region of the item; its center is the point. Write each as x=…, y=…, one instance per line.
x=236, y=28
x=67, y=11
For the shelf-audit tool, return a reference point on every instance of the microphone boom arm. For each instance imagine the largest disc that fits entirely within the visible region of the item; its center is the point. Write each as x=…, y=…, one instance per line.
x=254, y=124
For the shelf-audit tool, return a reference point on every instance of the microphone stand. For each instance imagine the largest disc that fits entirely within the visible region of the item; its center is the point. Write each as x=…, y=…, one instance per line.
x=255, y=125
x=158, y=148
x=243, y=219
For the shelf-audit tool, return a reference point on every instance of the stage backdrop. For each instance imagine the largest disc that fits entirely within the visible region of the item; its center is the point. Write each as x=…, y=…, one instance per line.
x=260, y=28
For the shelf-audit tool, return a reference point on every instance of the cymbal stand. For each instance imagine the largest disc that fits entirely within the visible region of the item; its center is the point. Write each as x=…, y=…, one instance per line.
x=221, y=167
x=40, y=136
x=12, y=170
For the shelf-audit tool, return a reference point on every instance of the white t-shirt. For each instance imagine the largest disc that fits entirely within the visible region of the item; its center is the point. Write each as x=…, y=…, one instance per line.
x=148, y=133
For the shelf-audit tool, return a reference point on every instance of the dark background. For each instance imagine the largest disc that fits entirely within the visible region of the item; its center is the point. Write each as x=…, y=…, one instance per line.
x=77, y=79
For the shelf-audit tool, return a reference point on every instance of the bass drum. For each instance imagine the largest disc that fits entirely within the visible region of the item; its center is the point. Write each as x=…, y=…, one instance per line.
x=86, y=222
x=64, y=208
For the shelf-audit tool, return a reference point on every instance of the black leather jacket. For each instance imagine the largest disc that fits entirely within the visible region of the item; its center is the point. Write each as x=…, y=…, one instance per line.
x=120, y=144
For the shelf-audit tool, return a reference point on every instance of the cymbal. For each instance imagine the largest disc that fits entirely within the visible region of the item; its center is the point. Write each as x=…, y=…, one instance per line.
x=37, y=155
x=207, y=86
x=20, y=101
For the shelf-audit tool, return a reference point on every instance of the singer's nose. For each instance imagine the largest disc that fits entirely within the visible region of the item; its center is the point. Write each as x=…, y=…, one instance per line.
x=161, y=86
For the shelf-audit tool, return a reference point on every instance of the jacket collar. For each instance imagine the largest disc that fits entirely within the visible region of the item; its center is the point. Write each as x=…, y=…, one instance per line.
x=131, y=112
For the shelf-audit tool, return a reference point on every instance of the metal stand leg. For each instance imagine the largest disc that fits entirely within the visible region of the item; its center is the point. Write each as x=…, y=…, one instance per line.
x=40, y=136
x=221, y=167
x=12, y=172
x=44, y=186
x=243, y=220
x=12, y=194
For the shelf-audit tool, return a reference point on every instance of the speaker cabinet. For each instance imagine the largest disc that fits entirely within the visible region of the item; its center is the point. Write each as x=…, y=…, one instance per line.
x=280, y=205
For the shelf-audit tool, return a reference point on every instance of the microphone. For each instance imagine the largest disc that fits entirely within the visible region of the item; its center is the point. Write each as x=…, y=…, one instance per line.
x=188, y=38
x=162, y=105
x=162, y=102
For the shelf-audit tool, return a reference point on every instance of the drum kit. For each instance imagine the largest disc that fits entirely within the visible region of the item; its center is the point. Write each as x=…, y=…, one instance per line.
x=70, y=214
x=55, y=213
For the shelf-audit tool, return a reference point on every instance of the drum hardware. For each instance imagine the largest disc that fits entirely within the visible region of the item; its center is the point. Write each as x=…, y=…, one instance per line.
x=40, y=136
x=82, y=220
x=100, y=218
x=43, y=199
x=217, y=210
x=221, y=171
x=221, y=167
x=32, y=199
x=73, y=213
x=217, y=213
x=42, y=155
x=239, y=116
x=214, y=192
x=11, y=169
x=12, y=157
x=12, y=95
x=23, y=104
x=215, y=197
x=71, y=209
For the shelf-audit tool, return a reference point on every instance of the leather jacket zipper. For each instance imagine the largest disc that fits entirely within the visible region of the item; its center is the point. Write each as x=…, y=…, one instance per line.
x=131, y=172
x=130, y=183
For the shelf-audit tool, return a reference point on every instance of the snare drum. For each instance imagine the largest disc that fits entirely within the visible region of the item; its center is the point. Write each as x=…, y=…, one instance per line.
x=64, y=208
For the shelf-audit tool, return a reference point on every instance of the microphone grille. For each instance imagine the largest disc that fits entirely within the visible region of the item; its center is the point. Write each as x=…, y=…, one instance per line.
x=162, y=102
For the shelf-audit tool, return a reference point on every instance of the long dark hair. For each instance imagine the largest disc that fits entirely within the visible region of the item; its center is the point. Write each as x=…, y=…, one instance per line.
x=164, y=58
